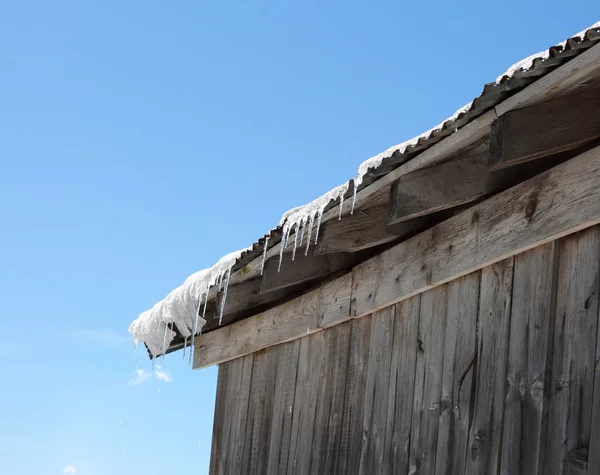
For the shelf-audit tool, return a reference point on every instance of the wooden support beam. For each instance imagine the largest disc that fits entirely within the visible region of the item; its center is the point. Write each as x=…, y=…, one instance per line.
x=441, y=187
x=303, y=268
x=364, y=229
x=561, y=201
x=457, y=183
x=545, y=129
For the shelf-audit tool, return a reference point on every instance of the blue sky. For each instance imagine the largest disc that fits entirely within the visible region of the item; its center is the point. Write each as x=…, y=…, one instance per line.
x=142, y=140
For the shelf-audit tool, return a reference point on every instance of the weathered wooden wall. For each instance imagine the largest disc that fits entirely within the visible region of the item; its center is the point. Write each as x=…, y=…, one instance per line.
x=495, y=372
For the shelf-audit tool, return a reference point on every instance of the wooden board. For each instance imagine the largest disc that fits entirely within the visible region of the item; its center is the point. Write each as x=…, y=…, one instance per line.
x=527, y=352
x=459, y=366
x=377, y=392
x=573, y=361
x=545, y=129
x=485, y=435
x=402, y=383
x=427, y=401
x=441, y=187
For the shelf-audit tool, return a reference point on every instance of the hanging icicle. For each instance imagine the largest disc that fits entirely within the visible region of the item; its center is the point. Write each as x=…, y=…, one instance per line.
x=184, y=347
x=264, y=256
x=320, y=214
x=196, y=322
x=310, y=226
x=286, y=231
x=303, y=226
x=341, y=206
x=295, y=242
x=164, y=348
x=224, y=296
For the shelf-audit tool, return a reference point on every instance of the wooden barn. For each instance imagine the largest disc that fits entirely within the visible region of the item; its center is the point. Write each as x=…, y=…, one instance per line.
x=449, y=323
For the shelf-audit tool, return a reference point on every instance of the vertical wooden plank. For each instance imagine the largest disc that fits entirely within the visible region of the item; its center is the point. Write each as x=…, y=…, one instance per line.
x=532, y=303
x=459, y=361
x=485, y=435
x=310, y=368
x=428, y=381
x=219, y=420
x=326, y=441
x=352, y=417
x=283, y=401
x=229, y=396
x=402, y=384
x=573, y=362
x=235, y=451
x=377, y=392
x=594, y=450
x=256, y=440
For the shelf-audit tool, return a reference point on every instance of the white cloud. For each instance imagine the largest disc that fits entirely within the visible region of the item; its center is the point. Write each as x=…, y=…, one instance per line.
x=162, y=375
x=141, y=376
x=69, y=470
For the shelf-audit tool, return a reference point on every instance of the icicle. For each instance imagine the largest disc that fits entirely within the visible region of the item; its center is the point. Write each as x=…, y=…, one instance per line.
x=196, y=322
x=264, y=256
x=184, y=348
x=341, y=206
x=310, y=226
x=286, y=233
x=320, y=214
x=303, y=226
x=295, y=242
x=354, y=198
x=164, y=349
x=224, y=296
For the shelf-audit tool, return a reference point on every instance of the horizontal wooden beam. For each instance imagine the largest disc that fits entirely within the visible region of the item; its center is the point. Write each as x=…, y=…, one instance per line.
x=540, y=130
x=561, y=201
x=364, y=229
x=440, y=187
x=303, y=268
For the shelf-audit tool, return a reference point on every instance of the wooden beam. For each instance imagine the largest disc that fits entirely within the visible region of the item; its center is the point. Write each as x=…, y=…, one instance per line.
x=364, y=229
x=441, y=187
x=456, y=184
x=303, y=268
x=561, y=201
x=545, y=129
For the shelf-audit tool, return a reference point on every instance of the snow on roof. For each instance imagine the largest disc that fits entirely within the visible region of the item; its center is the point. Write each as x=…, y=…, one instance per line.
x=182, y=308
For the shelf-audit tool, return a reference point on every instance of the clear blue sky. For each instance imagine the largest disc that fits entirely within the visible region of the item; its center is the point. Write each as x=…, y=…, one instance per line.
x=142, y=140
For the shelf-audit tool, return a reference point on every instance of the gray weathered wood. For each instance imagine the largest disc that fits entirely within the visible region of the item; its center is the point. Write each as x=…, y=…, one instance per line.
x=573, y=362
x=529, y=328
x=311, y=363
x=560, y=201
x=545, y=129
x=326, y=439
x=441, y=187
x=377, y=392
x=283, y=402
x=256, y=441
x=402, y=383
x=485, y=436
x=218, y=447
x=353, y=410
x=364, y=229
x=594, y=450
x=239, y=416
x=303, y=269
x=428, y=381
x=459, y=360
